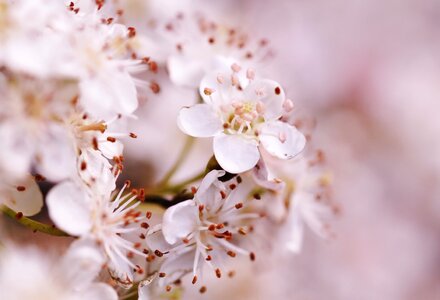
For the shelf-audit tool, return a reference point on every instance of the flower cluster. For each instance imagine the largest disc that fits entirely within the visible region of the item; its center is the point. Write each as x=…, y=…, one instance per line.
x=72, y=76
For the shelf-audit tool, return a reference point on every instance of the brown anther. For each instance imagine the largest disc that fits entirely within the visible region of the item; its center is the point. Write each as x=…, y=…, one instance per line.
x=194, y=280
x=145, y=60
x=150, y=258
x=239, y=180
x=111, y=139
x=127, y=183
x=39, y=177
x=134, y=192
x=99, y=3
x=242, y=231
x=83, y=166
x=202, y=289
x=19, y=215
x=225, y=125
x=220, y=226
x=277, y=90
x=208, y=258
x=231, y=253
x=211, y=40
x=158, y=253
x=257, y=196
x=130, y=254
x=185, y=241
x=193, y=189
x=142, y=236
x=155, y=87
x=232, y=186
x=131, y=32
x=95, y=143
x=76, y=10
x=211, y=227
x=208, y=91
x=137, y=245
x=152, y=65
x=218, y=273
x=145, y=225
x=145, y=251
x=231, y=274
x=168, y=288
x=201, y=207
x=223, y=194
x=238, y=205
x=252, y=256
x=21, y=188
x=162, y=275
x=133, y=135
x=209, y=248
x=148, y=214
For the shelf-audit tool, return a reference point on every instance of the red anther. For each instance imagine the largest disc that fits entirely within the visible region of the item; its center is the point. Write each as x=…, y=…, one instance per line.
x=111, y=139
x=127, y=183
x=158, y=253
x=238, y=205
x=277, y=90
x=148, y=214
x=252, y=256
x=162, y=275
x=231, y=253
x=21, y=188
x=133, y=135
x=218, y=273
x=131, y=32
x=155, y=87
x=83, y=166
x=194, y=280
x=232, y=186
x=19, y=215
x=145, y=225
x=152, y=65
x=202, y=289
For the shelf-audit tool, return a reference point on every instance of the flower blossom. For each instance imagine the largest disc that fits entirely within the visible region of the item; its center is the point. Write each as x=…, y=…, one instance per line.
x=203, y=230
x=90, y=213
x=26, y=273
x=242, y=114
x=23, y=196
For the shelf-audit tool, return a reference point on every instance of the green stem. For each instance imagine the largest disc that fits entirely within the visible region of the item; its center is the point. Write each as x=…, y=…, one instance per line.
x=32, y=224
x=189, y=142
x=178, y=187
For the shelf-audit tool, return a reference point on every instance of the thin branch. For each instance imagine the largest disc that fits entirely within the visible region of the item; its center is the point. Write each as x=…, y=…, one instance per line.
x=32, y=224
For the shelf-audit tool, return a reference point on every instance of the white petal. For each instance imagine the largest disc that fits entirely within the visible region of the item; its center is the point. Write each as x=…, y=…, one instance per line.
x=69, y=208
x=281, y=139
x=179, y=221
x=235, y=153
x=82, y=263
x=208, y=192
x=270, y=94
x=29, y=201
x=184, y=71
x=199, y=120
x=156, y=241
x=108, y=95
x=57, y=155
x=261, y=176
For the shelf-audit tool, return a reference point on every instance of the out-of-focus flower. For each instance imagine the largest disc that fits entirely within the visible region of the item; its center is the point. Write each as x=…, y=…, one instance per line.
x=92, y=214
x=242, y=115
x=23, y=196
x=26, y=273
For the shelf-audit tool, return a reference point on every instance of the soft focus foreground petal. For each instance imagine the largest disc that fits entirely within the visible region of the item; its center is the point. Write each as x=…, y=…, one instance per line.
x=99, y=291
x=184, y=71
x=270, y=94
x=57, y=155
x=179, y=221
x=199, y=120
x=26, y=197
x=208, y=192
x=109, y=94
x=235, y=153
x=281, y=139
x=69, y=208
x=82, y=263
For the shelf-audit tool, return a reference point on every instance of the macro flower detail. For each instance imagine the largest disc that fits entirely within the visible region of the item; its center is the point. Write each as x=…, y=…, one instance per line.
x=204, y=230
x=242, y=114
x=91, y=214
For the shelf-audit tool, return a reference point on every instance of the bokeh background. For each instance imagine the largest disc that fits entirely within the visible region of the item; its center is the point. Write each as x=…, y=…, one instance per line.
x=368, y=72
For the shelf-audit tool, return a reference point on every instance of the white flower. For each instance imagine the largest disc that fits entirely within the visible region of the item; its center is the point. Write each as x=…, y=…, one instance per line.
x=205, y=229
x=31, y=126
x=23, y=196
x=200, y=46
x=241, y=115
x=26, y=273
x=91, y=214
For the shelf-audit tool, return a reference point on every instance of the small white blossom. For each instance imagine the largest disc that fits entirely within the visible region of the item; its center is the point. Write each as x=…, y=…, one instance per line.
x=91, y=213
x=241, y=115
